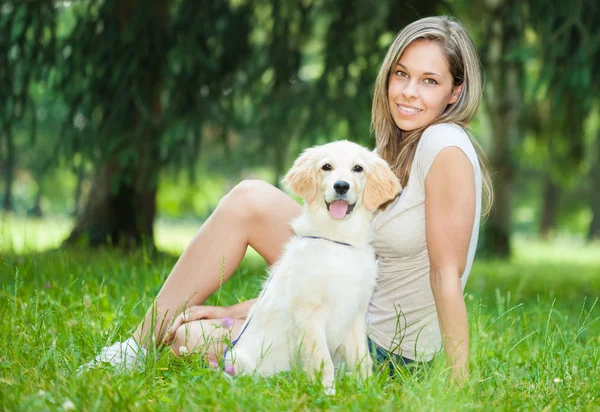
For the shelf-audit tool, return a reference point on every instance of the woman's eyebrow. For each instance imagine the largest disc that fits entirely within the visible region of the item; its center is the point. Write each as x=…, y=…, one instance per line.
x=425, y=73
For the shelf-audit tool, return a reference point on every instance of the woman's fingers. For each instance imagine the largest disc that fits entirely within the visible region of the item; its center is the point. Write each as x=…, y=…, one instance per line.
x=191, y=314
x=197, y=312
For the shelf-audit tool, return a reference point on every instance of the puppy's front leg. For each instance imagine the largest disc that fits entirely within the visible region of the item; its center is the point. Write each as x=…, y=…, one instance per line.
x=314, y=351
x=354, y=348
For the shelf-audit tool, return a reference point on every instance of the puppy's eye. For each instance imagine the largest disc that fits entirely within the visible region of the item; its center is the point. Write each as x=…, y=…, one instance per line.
x=327, y=167
x=357, y=169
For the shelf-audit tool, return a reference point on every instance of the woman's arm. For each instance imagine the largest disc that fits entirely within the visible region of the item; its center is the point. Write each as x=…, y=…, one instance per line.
x=450, y=214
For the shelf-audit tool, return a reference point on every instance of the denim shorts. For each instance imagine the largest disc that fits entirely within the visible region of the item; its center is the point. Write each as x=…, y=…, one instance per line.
x=384, y=359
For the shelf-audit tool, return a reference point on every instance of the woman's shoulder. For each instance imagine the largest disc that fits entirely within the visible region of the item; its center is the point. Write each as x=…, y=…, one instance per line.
x=439, y=136
x=445, y=134
x=453, y=128
x=436, y=138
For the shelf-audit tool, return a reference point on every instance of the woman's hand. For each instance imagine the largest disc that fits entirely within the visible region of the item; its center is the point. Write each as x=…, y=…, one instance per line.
x=194, y=313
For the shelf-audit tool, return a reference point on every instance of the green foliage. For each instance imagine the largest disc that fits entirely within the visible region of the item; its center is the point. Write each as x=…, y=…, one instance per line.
x=246, y=84
x=178, y=198
x=27, y=36
x=114, y=60
x=269, y=71
x=565, y=39
x=58, y=186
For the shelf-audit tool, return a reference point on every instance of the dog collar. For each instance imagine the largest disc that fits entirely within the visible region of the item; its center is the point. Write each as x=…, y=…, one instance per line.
x=324, y=238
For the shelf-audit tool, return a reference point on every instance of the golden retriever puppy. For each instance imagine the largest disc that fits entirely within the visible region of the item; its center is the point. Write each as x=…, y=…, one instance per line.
x=312, y=309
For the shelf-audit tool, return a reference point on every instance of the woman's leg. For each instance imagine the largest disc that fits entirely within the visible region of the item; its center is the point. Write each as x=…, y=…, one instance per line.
x=254, y=213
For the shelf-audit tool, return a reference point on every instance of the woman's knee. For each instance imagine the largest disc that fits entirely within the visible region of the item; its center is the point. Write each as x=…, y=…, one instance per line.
x=247, y=199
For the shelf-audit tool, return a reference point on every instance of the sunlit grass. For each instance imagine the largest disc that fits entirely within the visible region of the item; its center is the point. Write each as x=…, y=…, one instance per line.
x=21, y=235
x=173, y=237
x=25, y=235
x=561, y=250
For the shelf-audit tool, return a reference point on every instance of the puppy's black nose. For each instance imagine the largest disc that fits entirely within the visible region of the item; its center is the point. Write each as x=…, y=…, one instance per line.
x=341, y=187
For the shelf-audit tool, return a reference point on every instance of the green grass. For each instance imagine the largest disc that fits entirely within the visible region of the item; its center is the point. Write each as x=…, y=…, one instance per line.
x=534, y=324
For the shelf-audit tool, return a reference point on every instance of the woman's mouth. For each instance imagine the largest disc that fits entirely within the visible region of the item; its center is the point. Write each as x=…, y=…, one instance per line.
x=408, y=110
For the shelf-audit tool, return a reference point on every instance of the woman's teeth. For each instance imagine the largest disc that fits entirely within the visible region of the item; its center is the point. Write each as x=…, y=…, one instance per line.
x=409, y=109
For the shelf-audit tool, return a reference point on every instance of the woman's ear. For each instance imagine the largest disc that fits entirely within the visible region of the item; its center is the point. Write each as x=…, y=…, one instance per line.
x=302, y=177
x=455, y=94
x=382, y=184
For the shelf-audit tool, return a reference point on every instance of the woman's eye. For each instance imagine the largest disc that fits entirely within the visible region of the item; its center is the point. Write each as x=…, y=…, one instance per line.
x=430, y=81
x=357, y=169
x=401, y=73
x=327, y=167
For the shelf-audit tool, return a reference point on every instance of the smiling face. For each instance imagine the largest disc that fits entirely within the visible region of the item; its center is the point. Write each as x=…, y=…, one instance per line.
x=420, y=86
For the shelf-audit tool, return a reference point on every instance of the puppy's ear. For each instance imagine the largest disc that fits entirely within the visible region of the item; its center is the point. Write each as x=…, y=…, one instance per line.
x=302, y=177
x=382, y=184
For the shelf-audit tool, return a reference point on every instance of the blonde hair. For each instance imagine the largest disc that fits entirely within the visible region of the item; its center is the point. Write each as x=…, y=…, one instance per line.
x=398, y=149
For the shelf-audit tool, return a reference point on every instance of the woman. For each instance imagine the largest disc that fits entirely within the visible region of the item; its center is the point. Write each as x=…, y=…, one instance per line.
x=426, y=93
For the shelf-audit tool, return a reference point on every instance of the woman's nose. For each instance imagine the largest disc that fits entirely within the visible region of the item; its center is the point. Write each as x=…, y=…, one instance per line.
x=410, y=91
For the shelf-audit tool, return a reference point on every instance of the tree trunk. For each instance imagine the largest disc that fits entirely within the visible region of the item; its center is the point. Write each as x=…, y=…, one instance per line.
x=9, y=170
x=80, y=172
x=503, y=101
x=121, y=206
x=594, y=231
x=550, y=203
x=36, y=210
x=121, y=216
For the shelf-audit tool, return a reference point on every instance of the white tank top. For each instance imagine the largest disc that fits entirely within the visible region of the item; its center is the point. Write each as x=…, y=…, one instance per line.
x=402, y=315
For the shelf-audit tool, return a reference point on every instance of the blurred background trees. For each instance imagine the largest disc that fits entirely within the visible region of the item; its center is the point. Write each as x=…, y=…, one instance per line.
x=122, y=111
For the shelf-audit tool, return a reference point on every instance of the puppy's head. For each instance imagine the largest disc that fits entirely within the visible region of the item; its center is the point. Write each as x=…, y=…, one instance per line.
x=341, y=176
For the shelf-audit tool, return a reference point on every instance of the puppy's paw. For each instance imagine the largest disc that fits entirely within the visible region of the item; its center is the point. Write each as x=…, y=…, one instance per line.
x=366, y=368
x=329, y=390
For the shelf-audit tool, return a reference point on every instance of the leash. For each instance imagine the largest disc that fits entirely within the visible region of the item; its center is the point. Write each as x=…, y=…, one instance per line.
x=233, y=343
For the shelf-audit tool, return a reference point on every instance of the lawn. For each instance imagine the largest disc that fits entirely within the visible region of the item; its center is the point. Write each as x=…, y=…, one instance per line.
x=534, y=324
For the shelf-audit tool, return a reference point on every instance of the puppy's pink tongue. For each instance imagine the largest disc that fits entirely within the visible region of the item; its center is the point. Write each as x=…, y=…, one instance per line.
x=338, y=209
